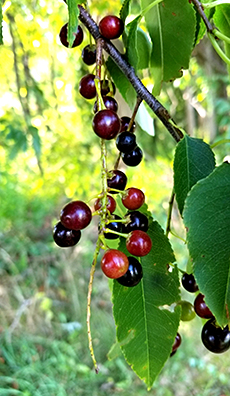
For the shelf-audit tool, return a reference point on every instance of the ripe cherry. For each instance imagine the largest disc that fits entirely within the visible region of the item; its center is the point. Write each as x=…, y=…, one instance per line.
x=133, y=198
x=132, y=158
x=125, y=123
x=109, y=102
x=106, y=124
x=114, y=226
x=64, y=34
x=64, y=237
x=126, y=142
x=189, y=283
x=137, y=221
x=111, y=27
x=111, y=205
x=76, y=215
x=201, y=308
x=214, y=338
x=87, y=86
x=176, y=344
x=89, y=54
x=117, y=180
x=114, y=263
x=138, y=243
x=134, y=274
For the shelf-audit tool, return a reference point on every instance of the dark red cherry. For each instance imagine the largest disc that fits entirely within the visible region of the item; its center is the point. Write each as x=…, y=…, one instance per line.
x=111, y=205
x=114, y=263
x=64, y=237
x=109, y=102
x=76, y=215
x=89, y=54
x=133, y=198
x=201, y=308
x=64, y=34
x=117, y=180
x=111, y=27
x=138, y=243
x=106, y=124
x=189, y=283
x=87, y=86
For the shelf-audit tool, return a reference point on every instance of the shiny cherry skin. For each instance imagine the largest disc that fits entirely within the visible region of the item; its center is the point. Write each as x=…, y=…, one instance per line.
x=132, y=158
x=76, y=215
x=63, y=237
x=114, y=263
x=109, y=102
x=111, y=27
x=201, y=308
x=114, y=226
x=138, y=243
x=126, y=142
x=64, y=34
x=134, y=274
x=189, y=283
x=133, y=198
x=125, y=124
x=106, y=124
x=137, y=221
x=117, y=180
x=214, y=338
x=111, y=205
x=87, y=86
x=89, y=54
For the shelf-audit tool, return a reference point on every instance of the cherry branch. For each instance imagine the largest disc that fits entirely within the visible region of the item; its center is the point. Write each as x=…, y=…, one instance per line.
x=200, y=9
x=142, y=92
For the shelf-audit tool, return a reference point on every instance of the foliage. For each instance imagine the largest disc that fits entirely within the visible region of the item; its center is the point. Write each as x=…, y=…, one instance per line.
x=158, y=42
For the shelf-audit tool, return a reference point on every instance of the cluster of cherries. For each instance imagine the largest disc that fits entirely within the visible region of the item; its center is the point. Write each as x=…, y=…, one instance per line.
x=77, y=215
x=106, y=123
x=215, y=338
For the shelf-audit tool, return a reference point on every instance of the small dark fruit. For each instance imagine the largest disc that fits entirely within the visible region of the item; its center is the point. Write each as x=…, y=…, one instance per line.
x=109, y=102
x=89, y=54
x=189, y=283
x=111, y=205
x=133, y=198
x=125, y=124
x=214, y=338
x=117, y=180
x=126, y=142
x=114, y=226
x=201, y=308
x=87, y=86
x=137, y=221
x=64, y=237
x=132, y=158
x=64, y=34
x=114, y=263
x=138, y=243
x=176, y=343
x=76, y=215
x=111, y=27
x=106, y=124
x=134, y=274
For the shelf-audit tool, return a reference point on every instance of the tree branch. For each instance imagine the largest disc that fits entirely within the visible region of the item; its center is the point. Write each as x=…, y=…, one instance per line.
x=200, y=9
x=142, y=92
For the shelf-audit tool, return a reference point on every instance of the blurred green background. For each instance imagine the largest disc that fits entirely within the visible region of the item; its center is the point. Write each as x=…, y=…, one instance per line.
x=48, y=156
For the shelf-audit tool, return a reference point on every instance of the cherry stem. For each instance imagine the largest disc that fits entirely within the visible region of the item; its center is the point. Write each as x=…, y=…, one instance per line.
x=107, y=230
x=169, y=217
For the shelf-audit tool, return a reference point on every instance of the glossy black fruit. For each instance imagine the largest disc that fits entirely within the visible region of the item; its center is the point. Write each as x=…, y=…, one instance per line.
x=134, y=274
x=214, y=338
x=89, y=54
x=114, y=226
x=65, y=237
x=117, y=180
x=132, y=158
x=109, y=102
x=189, y=283
x=126, y=142
x=137, y=221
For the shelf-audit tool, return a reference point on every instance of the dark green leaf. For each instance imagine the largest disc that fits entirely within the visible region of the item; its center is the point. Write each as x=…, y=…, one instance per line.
x=171, y=25
x=124, y=11
x=138, y=46
x=73, y=20
x=207, y=218
x=193, y=161
x=36, y=141
x=145, y=315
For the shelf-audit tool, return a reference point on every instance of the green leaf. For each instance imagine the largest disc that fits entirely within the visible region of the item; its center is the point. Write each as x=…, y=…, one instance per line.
x=138, y=46
x=171, y=25
x=222, y=21
x=147, y=311
x=207, y=218
x=36, y=140
x=73, y=20
x=124, y=11
x=1, y=18
x=193, y=161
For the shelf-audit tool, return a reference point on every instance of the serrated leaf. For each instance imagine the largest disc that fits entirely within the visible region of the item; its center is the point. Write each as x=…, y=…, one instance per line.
x=222, y=21
x=193, y=161
x=207, y=218
x=73, y=20
x=171, y=25
x=147, y=311
x=124, y=11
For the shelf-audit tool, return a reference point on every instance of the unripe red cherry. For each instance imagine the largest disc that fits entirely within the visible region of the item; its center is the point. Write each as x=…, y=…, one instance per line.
x=64, y=34
x=138, y=243
x=76, y=215
x=106, y=124
x=133, y=198
x=114, y=263
x=111, y=27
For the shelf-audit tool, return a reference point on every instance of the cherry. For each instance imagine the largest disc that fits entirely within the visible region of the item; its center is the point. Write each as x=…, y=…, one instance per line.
x=65, y=237
x=125, y=123
x=76, y=215
x=111, y=205
x=134, y=274
x=106, y=124
x=187, y=311
x=117, y=180
x=114, y=263
x=214, y=338
x=126, y=142
x=89, y=54
x=108, y=87
x=138, y=243
x=109, y=102
x=137, y=221
x=132, y=158
x=111, y=27
x=201, y=308
x=189, y=283
x=87, y=86
x=64, y=34
x=176, y=343
x=133, y=198
x=114, y=226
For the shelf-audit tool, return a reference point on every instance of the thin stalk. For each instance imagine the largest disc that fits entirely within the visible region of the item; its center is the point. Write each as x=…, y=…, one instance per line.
x=169, y=218
x=147, y=9
x=219, y=51
x=221, y=36
x=215, y=3
x=222, y=141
